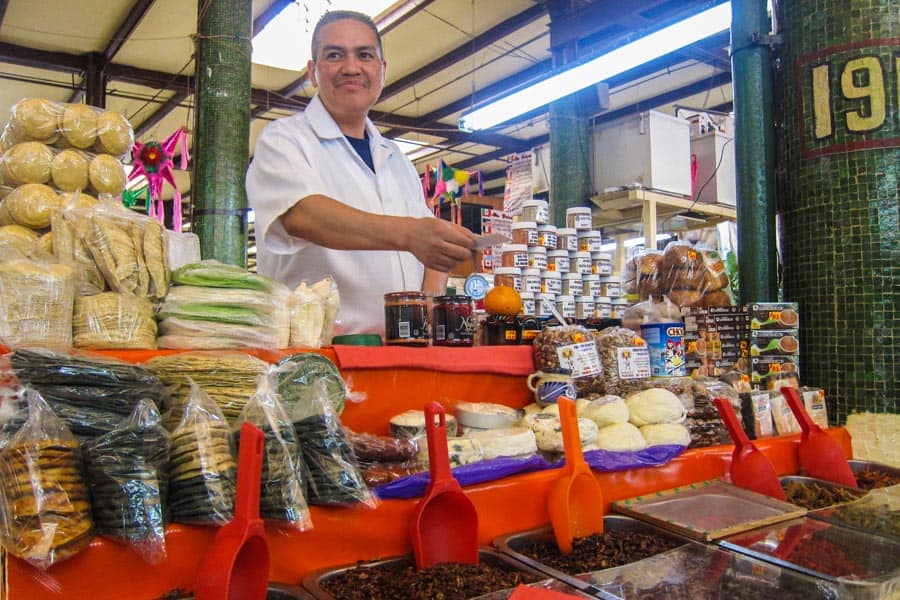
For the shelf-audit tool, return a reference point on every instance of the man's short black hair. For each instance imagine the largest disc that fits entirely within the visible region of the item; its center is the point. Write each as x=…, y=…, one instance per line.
x=340, y=15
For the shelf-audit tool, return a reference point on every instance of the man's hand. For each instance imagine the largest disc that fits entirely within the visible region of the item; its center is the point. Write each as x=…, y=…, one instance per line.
x=440, y=244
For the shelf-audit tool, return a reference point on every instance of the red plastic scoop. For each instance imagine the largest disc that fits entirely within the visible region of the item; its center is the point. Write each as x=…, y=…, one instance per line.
x=576, y=501
x=445, y=524
x=750, y=468
x=820, y=455
x=237, y=564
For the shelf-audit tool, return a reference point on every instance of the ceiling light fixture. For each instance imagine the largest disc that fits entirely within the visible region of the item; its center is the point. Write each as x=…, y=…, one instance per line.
x=652, y=46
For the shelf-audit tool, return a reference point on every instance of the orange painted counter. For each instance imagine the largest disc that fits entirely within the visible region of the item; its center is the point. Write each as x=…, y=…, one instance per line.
x=344, y=535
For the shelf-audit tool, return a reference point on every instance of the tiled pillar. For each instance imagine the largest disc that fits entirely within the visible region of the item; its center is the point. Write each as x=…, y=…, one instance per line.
x=839, y=175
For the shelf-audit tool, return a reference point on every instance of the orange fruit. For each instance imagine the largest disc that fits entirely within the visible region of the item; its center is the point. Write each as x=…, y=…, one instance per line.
x=503, y=300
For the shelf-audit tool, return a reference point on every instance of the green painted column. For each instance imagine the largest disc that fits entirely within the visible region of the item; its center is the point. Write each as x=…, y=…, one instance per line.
x=222, y=129
x=570, y=142
x=840, y=234
x=754, y=152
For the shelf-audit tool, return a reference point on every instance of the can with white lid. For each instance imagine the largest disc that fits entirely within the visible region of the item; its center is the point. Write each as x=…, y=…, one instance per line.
x=578, y=217
x=536, y=210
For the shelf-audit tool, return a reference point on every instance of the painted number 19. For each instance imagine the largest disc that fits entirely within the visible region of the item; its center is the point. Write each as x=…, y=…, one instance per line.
x=860, y=79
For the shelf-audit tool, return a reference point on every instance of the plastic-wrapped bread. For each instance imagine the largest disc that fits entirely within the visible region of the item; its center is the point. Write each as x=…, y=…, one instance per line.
x=35, y=119
x=17, y=237
x=114, y=134
x=69, y=171
x=110, y=321
x=28, y=162
x=78, y=125
x=107, y=175
x=31, y=205
x=36, y=300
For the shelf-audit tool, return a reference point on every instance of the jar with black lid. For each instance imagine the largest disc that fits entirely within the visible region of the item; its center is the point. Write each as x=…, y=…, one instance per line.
x=405, y=319
x=453, y=321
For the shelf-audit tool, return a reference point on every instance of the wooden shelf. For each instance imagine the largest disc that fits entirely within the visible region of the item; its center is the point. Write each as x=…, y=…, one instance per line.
x=616, y=213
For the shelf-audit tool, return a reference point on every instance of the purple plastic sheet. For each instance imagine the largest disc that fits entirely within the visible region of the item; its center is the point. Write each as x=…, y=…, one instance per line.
x=654, y=456
x=497, y=468
x=478, y=472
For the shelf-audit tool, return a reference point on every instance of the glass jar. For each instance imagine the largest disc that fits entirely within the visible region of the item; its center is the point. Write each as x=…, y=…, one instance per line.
x=571, y=284
x=591, y=285
x=531, y=280
x=454, y=324
x=602, y=307
x=611, y=286
x=567, y=239
x=551, y=282
x=509, y=277
x=589, y=241
x=514, y=255
x=601, y=263
x=405, y=319
x=525, y=232
x=565, y=304
x=537, y=257
x=580, y=262
x=527, y=303
x=558, y=260
x=584, y=307
x=536, y=210
x=547, y=236
x=579, y=217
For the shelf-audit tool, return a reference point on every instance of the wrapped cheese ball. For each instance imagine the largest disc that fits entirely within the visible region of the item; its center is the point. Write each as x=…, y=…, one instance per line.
x=620, y=437
x=655, y=405
x=666, y=433
x=30, y=205
x=28, y=162
x=69, y=171
x=114, y=134
x=107, y=175
x=606, y=410
x=78, y=125
x=35, y=119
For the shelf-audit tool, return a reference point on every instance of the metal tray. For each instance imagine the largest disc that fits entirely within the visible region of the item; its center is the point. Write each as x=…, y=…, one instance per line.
x=824, y=483
x=858, y=466
x=313, y=582
x=283, y=591
x=708, y=510
x=513, y=544
x=859, y=564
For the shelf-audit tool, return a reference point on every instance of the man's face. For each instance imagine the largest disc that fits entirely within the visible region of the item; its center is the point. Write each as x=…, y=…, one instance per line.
x=347, y=69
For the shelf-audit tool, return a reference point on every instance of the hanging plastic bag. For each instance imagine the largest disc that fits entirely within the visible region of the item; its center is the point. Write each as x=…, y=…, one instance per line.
x=125, y=470
x=283, y=473
x=202, y=471
x=45, y=512
x=334, y=474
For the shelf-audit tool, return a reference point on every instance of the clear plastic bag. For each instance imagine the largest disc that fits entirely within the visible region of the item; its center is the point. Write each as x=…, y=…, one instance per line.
x=694, y=276
x=36, y=300
x=113, y=321
x=91, y=394
x=202, y=470
x=46, y=511
x=570, y=347
x=283, y=472
x=307, y=312
x=126, y=473
x=334, y=474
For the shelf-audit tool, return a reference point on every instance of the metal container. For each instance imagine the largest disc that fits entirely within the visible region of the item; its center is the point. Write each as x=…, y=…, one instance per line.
x=858, y=466
x=514, y=545
x=857, y=564
x=283, y=591
x=828, y=485
x=313, y=583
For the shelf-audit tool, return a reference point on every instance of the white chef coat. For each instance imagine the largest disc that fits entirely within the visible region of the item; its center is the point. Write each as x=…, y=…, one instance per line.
x=307, y=154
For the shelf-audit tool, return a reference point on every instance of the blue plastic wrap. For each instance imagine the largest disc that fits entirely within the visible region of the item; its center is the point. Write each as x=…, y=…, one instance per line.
x=497, y=468
x=477, y=472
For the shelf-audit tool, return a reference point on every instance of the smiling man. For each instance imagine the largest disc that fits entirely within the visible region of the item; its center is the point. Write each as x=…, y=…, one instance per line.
x=332, y=196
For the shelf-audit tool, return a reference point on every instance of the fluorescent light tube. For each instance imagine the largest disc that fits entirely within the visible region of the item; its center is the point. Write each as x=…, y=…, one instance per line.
x=629, y=56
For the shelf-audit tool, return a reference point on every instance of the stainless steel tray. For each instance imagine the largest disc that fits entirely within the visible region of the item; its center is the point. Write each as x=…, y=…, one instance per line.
x=824, y=483
x=860, y=564
x=708, y=510
x=313, y=582
x=282, y=591
x=858, y=466
x=514, y=544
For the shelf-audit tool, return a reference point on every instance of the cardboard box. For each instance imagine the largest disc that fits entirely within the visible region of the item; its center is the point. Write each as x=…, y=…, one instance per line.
x=774, y=315
x=767, y=342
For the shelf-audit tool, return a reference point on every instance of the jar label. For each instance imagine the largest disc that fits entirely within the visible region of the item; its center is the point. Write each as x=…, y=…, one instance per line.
x=599, y=268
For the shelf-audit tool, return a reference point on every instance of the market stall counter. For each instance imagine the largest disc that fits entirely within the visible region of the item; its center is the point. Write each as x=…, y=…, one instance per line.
x=384, y=383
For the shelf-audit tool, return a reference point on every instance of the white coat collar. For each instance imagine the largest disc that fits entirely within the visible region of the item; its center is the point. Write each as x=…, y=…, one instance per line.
x=325, y=126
